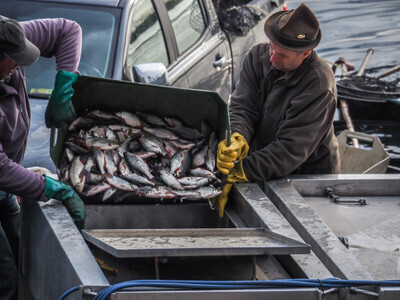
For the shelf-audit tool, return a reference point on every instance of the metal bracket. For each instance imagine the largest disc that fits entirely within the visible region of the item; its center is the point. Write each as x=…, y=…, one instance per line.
x=336, y=199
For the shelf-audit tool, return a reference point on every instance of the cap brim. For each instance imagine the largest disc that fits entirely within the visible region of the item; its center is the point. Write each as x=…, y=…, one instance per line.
x=271, y=35
x=26, y=57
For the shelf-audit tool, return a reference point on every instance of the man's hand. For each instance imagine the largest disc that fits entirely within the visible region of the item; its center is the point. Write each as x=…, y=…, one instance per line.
x=228, y=155
x=60, y=108
x=62, y=192
x=236, y=174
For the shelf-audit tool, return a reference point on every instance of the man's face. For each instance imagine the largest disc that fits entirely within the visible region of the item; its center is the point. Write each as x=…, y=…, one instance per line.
x=7, y=67
x=286, y=60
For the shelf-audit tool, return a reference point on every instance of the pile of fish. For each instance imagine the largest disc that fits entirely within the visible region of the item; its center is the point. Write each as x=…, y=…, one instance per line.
x=113, y=156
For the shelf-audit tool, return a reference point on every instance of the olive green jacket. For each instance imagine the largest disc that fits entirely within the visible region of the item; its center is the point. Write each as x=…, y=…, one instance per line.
x=287, y=120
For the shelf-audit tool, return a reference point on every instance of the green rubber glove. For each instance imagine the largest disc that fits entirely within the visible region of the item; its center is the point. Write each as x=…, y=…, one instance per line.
x=62, y=192
x=60, y=108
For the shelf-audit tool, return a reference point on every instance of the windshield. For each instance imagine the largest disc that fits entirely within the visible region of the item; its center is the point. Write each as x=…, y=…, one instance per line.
x=99, y=39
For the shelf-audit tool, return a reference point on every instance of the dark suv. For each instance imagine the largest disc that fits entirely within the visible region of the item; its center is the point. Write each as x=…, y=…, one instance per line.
x=180, y=43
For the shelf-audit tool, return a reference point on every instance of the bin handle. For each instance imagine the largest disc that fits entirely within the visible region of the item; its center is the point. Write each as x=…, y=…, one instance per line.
x=362, y=138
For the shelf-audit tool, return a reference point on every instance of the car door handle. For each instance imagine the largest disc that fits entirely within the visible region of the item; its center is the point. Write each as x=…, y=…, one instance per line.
x=219, y=61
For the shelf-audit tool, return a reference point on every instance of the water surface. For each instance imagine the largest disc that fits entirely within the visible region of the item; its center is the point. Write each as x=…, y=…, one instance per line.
x=350, y=28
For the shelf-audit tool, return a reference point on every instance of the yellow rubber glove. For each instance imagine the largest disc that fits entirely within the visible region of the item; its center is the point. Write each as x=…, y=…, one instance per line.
x=223, y=198
x=227, y=155
x=236, y=174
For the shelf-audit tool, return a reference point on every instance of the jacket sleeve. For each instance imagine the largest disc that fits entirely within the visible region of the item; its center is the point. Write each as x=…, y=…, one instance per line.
x=245, y=104
x=307, y=122
x=16, y=180
x=60, y=38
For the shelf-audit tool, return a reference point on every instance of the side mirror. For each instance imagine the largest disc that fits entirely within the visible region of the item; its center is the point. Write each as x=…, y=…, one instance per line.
x=151, y=73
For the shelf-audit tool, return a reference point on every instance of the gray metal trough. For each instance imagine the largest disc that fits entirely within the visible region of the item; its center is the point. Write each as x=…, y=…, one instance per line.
x=55, y=257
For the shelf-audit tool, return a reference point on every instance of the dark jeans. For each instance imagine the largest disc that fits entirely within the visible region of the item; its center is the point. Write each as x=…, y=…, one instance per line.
x=9, y=243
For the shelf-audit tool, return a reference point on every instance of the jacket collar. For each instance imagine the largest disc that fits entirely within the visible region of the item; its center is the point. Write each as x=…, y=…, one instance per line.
x=293, y=77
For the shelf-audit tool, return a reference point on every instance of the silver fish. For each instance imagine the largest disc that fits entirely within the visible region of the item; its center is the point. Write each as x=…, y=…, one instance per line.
x=173, y=122
x=213, y=142
x=183, y=144
x=206, y=192
x=193, y=182
x=76, y=175
x=116, y=157
x=160, y=192
x=102, y=115
x=146, y=154
x=130, y=119
x=152, y=143
x=70, y=154
x=126, y=130
x=135, y=178
x=97, y=131
x=162, y=133
x=103, y=132
x=76, y=148
x=89, y=165
x=93, y=178
x=99, y=158
x=120, y=183
x=108, y=194
x=81, y=123
x=210, y=160
x=199, y=157
x=137, y=163
x=123, y=167
x=170, y=148
x=127, y=149
x=110, y=165
x=124, y=147
x=187, y=133
x=180, y=163
x=97, y=189
x=170, y=180
x=190, y=195
x=202, y=172
x=152, y=119
x=101, y=143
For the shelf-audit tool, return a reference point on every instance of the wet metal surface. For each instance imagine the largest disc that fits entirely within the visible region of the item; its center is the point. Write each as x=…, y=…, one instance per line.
x=372, y=231
x=255, y=208
x=192, y=242
x=314, y=231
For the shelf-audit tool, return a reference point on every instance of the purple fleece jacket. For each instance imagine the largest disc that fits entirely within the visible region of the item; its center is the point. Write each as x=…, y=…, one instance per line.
x=62, y=39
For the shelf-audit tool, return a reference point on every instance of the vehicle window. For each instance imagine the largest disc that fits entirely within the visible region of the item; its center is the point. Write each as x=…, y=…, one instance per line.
x=98, y=43
x=146, y=44
x=187, y=21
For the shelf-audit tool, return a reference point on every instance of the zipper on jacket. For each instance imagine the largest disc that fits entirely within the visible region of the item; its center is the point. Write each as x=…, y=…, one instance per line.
x=267, y=105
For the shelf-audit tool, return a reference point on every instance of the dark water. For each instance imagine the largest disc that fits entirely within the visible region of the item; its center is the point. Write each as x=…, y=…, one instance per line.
x=349, y=29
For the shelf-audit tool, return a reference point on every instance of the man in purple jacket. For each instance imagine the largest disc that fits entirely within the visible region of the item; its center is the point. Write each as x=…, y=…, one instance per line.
x=21, y=44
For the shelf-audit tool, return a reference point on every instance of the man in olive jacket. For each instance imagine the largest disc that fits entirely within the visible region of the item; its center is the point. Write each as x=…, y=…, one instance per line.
x=283, y=106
